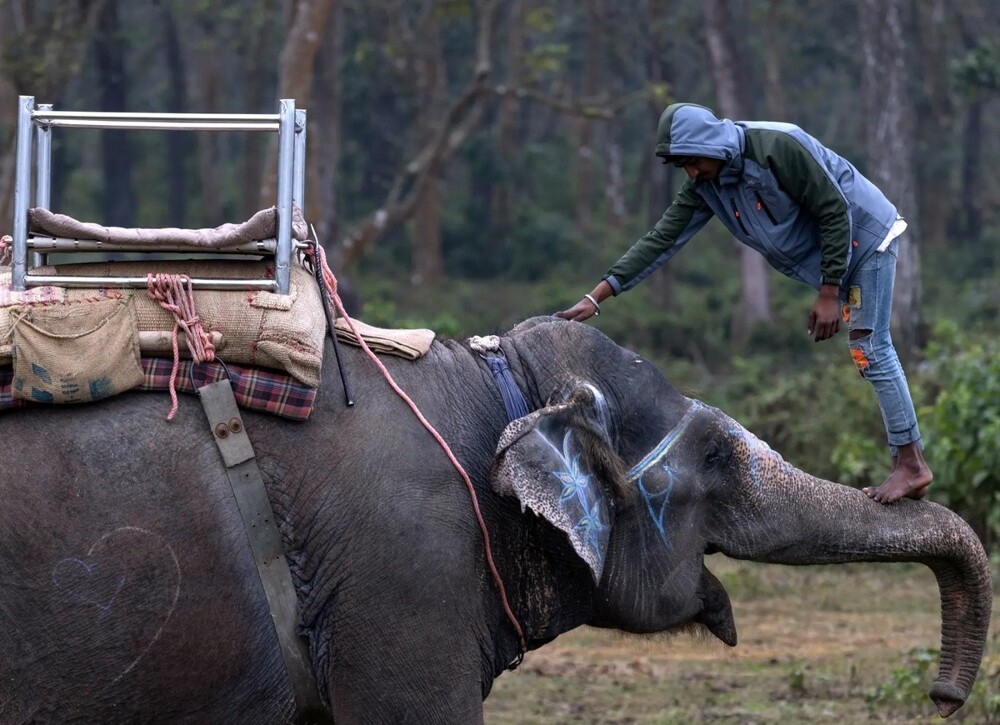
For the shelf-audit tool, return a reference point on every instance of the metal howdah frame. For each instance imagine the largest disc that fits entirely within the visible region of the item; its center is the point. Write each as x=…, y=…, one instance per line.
x=34, y=149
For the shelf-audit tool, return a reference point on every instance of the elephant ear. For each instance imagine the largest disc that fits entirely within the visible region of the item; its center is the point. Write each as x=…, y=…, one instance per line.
x=557, y=462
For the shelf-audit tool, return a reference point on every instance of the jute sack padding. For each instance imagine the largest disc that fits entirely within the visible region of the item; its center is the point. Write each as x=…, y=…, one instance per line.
x=262, y=329
x=75, y=353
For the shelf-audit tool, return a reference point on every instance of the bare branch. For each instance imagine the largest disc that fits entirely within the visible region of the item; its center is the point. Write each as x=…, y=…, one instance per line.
x=462, y=118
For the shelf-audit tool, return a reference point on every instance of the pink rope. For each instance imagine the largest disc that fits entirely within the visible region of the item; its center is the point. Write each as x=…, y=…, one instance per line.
x=331, y=286
x=175, y=294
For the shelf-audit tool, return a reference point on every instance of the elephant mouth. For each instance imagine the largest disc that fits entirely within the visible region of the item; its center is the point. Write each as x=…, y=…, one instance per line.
x=716, y=610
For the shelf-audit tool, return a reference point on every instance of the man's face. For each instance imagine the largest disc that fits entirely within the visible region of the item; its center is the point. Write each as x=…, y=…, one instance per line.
x=699, y=168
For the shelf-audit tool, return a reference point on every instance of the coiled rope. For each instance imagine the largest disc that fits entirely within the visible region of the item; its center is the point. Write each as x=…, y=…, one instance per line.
x=316, y=250
x=175, y=294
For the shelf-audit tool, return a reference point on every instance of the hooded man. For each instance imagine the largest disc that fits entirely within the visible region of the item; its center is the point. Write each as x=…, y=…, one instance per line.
x=814, y=218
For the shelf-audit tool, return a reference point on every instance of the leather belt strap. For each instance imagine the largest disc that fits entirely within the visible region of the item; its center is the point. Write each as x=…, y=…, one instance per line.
x=265, y=542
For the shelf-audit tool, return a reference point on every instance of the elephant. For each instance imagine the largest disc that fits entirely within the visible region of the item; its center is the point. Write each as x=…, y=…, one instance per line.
x=129, y=592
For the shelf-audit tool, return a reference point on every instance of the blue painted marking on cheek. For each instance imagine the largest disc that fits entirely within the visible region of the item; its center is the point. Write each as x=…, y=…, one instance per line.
x=656, y=503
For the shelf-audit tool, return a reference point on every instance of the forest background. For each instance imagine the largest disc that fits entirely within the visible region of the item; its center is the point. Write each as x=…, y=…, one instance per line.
x=475, y=162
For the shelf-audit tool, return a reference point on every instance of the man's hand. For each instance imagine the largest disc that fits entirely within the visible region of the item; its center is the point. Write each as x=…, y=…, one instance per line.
x=824, y=317
x=582, y=310
x=587, y=308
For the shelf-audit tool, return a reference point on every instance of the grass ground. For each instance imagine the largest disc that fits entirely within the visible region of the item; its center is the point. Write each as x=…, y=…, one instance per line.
x=844, y=644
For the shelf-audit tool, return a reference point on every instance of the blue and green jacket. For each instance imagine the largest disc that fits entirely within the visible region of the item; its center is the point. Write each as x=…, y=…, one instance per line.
x=811, y=214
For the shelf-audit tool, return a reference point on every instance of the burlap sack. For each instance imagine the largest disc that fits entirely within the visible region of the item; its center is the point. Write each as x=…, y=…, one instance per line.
x=75, y=353
x=264, y=329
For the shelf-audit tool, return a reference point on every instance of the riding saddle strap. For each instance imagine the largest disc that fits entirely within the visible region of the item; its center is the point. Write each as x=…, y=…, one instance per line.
x=265, y=542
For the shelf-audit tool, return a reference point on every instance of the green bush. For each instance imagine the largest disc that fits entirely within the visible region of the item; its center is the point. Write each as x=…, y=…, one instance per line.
x=821, y=416
x=907, y=685
x=962, y=426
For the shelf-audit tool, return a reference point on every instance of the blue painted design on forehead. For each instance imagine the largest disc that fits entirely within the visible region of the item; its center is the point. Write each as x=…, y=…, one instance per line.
x=664, y=445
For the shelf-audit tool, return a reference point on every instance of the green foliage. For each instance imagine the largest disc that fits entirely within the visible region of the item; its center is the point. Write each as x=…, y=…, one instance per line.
x=984, y=701
x=531, y=239
x=979, y=69
x=797, y=679
x=541, y=19
x=545, y=59
x=962, y=423
x=907, y=685
x=660, y=94
x=383, y=312
x=822, y=418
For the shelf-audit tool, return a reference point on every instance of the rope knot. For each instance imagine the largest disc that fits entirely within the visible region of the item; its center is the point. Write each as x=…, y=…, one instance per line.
x=485, y=344
x=175, y=294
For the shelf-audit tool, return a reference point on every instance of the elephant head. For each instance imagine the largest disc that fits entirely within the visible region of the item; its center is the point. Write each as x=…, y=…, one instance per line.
x=644, y=481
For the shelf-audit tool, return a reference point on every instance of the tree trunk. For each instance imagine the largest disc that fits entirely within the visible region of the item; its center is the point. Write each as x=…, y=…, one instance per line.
x=426, y=259
x=972, y=222
x=207, y=86
x=508, y=131
x=585, y=157
x=754, y=305
x=62, y=34
x=296, y=66
x=615, y=187
x=774, y=54
x=659, y=175
x=8, y=159
x=888, y=138
x=178, y=144
x=973, y=18
x=259, y=99
x=325, y=133
x=936, y=114
x=119, y=194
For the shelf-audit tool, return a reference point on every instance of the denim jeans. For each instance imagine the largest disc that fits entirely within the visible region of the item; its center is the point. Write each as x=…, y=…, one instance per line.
x=869, y=307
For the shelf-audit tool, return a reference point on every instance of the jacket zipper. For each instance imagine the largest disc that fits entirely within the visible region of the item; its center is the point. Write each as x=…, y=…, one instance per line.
x=739, y=219
x=761, y=206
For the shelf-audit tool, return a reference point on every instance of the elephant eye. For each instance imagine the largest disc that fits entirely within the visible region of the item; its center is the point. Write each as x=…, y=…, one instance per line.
x=717, y=453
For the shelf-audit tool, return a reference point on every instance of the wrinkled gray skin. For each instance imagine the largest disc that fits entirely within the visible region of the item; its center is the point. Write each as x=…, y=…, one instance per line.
x=128, y=593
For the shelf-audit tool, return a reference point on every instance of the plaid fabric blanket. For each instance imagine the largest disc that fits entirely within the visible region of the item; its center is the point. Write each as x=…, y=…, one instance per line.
x=255, y=388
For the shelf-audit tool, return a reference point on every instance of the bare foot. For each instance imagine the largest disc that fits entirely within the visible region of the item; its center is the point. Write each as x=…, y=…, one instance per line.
x=903, y=482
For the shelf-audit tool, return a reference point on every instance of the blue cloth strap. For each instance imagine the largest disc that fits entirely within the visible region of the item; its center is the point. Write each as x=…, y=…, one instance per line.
x=513, y=400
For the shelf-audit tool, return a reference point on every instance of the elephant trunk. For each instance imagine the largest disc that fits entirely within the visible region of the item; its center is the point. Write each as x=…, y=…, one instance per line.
x=799, y=519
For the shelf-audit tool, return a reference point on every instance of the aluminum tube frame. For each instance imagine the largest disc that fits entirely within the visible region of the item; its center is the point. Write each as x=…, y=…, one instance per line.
x=43, y=168
x=22, y=192
x=289, y=123
x=163, y=125
x=66, y=280
x=286, y=187
x=299, y=193
x=44, y=114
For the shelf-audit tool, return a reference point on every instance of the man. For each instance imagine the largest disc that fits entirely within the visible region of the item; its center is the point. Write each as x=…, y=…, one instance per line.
x=816, y=219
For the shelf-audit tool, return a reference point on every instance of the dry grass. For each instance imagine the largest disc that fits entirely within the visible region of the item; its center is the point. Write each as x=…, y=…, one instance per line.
x=816, y=644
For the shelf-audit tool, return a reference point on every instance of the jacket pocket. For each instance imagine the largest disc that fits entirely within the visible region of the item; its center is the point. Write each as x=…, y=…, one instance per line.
x=773, y=204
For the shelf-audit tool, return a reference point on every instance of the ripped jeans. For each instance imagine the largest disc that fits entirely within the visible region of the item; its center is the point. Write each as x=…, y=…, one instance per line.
x=868, y=307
